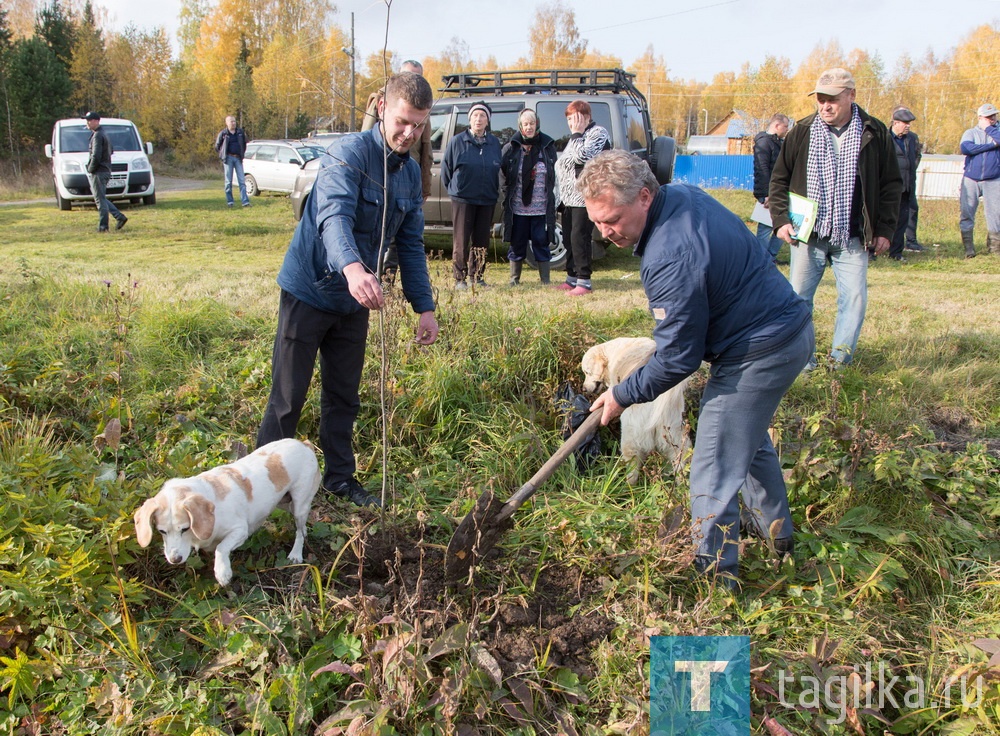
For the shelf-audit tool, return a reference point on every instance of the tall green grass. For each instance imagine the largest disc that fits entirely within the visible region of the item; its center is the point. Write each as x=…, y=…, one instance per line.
x=167, y=326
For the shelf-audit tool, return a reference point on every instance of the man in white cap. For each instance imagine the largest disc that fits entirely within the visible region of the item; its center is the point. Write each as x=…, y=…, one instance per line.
x=981, y=146
x=842, y=159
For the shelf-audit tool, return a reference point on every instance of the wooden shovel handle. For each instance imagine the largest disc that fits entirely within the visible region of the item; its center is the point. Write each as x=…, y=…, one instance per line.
x=583, y=433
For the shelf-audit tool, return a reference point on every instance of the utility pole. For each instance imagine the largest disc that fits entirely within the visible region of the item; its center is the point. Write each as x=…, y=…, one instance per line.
x=352, y=53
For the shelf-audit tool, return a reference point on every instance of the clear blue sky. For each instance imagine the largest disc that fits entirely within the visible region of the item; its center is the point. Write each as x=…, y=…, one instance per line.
x=696, y=38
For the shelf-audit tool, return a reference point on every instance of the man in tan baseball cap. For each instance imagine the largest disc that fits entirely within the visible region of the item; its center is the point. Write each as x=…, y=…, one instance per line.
x=833, y=81
x=842, y=159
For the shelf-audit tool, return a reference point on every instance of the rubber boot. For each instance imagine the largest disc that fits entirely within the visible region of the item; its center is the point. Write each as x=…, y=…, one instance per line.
x=543, y=271
x=515, y=272
x=970, y=248
x=993, y=243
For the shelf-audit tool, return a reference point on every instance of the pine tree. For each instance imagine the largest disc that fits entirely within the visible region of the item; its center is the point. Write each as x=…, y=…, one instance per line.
x=58, y=30
x=39, y=89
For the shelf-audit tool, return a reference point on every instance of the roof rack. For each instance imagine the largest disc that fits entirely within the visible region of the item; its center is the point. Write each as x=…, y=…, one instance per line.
x=550, y=81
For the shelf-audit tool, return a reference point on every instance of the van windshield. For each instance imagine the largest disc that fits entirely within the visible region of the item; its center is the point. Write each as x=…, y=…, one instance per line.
x=76, y=138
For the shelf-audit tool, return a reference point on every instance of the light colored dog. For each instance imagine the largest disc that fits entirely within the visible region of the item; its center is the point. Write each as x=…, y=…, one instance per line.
x=657, y=426
x=220, y=508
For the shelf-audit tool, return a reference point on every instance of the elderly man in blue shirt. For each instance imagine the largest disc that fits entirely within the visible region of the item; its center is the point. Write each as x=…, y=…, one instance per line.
x=714, y=296
x=367, y=192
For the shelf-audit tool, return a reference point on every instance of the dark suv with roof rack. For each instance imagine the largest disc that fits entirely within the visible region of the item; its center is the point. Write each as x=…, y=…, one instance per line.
x=615, y=103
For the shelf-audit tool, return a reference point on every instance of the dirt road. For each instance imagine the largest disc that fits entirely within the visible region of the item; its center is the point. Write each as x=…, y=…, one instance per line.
x=164, y=185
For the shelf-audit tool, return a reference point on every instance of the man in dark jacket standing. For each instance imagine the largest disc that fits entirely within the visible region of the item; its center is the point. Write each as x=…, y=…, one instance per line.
x=99, y=174
x=231, y=145
x=714, y=296
x=766, y=147
x=907, y=158
x=842, y=159
x=367, y=192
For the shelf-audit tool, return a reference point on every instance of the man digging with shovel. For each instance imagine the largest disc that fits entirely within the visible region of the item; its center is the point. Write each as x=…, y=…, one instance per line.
x=714, y=296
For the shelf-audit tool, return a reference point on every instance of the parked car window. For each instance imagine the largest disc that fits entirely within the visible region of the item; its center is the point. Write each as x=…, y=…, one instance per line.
x=267, y=153
x=308, y=153
x=438, y=121
x=251, y=150
x=635, y=128
x=286, y=155
x=552, y=119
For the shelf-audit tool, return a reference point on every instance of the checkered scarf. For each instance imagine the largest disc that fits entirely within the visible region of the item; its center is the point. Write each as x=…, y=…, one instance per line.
x=831, y=178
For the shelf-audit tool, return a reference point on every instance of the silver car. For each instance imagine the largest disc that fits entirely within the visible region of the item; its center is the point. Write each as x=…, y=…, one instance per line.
x=273, y=165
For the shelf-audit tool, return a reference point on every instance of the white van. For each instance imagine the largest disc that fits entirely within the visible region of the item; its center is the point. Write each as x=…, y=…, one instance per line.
x=131, y=174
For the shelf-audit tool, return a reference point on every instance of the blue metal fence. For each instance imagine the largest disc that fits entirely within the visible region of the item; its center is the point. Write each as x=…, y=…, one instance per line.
x=715, y=172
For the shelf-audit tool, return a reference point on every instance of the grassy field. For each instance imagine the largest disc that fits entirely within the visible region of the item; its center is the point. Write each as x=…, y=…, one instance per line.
x=165, y=330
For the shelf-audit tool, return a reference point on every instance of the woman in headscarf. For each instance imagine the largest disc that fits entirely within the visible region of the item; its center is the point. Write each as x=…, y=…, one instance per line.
x=470, y=172
x=528, y=181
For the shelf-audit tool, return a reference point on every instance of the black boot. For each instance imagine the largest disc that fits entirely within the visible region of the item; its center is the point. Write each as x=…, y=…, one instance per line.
x=993, y=243
x=543, y=271
x=515, y=272
x=970, y=246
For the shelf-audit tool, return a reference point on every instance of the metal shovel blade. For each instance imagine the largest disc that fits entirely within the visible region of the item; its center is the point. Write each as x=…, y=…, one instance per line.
x=490, y=517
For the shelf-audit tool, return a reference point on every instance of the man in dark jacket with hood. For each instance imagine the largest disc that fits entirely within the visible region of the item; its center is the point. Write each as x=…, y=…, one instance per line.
x=766, y=147
x=715, y=296
x=842, y=159
x=99, y=174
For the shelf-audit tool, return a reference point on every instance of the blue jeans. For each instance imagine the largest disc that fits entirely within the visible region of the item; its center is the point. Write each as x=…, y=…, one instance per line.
x=733, y=453
x=766, y=237
x=235, y=163
x=99, y=188
x=850, y=269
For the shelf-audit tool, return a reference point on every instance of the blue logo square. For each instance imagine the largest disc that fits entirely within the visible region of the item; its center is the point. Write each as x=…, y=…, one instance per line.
x=699, y=685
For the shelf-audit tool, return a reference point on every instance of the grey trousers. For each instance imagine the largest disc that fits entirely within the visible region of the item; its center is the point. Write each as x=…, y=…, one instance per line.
x=733, y=453
x=972, y=190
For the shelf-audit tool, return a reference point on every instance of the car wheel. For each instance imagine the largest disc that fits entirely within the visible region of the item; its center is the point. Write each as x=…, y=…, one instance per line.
x=64, y=204
x=663, y=159
x=252, y=189
x=557, y=249
x=150, y=200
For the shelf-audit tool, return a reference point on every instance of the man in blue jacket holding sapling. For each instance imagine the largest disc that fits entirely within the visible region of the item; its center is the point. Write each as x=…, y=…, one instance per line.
x=328, y=279
x=714, y=296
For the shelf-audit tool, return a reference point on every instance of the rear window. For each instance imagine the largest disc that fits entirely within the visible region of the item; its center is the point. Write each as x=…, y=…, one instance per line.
x=76, y=138
x=552, y=119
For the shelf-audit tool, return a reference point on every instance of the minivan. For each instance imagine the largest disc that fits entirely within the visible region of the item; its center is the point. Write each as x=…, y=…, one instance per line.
x=131, y=173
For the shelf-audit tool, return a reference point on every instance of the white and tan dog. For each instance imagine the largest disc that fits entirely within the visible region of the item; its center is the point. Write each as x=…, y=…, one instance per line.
x=657, y=426
x=220, y=508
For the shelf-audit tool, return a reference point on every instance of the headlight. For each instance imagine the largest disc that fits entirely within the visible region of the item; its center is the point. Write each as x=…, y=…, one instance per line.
x=140, y=164
x=69, y=166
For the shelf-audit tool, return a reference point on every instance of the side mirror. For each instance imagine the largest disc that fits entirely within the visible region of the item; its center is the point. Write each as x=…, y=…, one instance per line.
x=149, y=148
x=48, y=150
